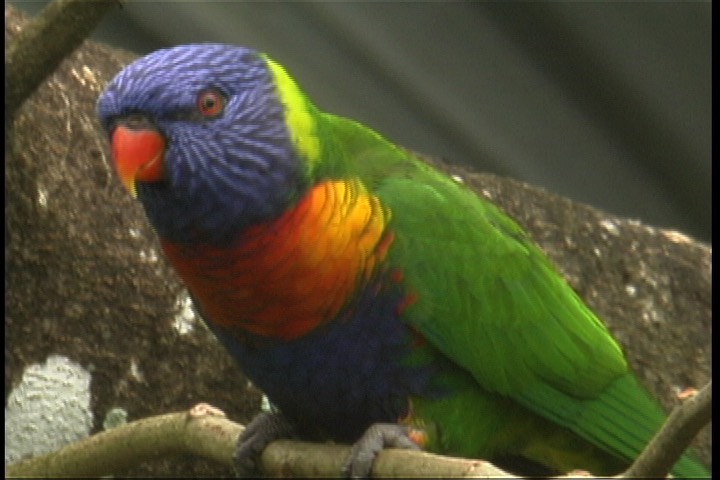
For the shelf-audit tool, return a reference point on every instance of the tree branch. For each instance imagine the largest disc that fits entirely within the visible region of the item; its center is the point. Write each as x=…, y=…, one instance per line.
x=117, y=449
x=672, y=440
x=44, y=42
x=205, y=432
x=289, y=458
x=214, y=437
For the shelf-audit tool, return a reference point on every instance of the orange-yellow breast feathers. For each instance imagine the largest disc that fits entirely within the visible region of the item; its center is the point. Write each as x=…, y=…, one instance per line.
x=286, y=277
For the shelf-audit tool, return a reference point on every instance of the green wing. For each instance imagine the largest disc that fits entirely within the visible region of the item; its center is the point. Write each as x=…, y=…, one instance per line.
x=491, y=301
x=489, y=298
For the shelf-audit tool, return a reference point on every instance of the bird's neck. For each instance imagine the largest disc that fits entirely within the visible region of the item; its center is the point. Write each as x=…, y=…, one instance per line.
x=284, y=278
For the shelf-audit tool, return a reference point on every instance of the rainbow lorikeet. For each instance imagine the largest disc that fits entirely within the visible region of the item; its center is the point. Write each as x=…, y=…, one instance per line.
x=373, y=299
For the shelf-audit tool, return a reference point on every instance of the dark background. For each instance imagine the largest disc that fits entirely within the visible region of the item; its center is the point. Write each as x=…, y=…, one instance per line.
x=605, y=103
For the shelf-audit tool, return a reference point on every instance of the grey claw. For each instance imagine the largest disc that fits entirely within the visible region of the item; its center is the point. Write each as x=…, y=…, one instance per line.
x=378, y=436
x=261, y=431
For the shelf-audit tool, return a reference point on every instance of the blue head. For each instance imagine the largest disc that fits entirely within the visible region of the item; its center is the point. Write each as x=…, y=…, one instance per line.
x=227, y=159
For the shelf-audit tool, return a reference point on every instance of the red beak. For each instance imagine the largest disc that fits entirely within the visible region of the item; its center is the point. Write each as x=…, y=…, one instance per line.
x=138, y=155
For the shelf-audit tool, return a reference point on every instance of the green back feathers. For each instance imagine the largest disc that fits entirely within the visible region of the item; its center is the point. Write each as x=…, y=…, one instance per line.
x=493, y=294
x=494, y=303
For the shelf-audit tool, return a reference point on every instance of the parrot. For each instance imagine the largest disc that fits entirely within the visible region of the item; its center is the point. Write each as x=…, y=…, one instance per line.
x=374, y=300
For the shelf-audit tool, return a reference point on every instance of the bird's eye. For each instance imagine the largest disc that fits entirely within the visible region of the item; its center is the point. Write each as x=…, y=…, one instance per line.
x=211, y=103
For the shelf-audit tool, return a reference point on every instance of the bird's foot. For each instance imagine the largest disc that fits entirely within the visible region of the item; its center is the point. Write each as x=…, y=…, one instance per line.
x=378, y=436
x=259, y=433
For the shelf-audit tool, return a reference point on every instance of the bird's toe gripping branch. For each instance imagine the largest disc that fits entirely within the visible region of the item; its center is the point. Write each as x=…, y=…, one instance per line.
x=260, y=432
x=378, y=436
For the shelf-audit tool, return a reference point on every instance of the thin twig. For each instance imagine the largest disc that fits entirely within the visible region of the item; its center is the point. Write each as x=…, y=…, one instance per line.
x=668, y=445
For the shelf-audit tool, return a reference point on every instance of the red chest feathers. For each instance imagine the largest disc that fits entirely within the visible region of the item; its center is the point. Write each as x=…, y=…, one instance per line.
x=284, y=278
